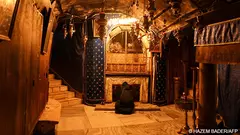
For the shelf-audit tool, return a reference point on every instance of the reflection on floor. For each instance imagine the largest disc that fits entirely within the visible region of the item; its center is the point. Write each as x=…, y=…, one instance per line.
x=84, y=120
x=138, y=107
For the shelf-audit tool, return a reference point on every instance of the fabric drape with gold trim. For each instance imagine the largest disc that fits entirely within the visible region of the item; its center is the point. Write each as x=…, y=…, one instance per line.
x=227, y=32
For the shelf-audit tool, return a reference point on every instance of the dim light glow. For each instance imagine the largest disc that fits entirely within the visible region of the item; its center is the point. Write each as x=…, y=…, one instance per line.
x=117, y=21
x=8, y=2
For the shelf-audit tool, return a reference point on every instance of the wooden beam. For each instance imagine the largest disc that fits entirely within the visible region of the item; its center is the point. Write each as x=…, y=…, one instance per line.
x=179, y=19
x=230, y=11
x=218, y=54
x=162, y=12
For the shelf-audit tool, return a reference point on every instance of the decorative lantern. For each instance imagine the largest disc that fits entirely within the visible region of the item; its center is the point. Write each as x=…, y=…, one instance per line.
x=102, y=25
x=175, y=7
x=65, y=31
x=178, y=34
x=71, y=30
x=71, y=27
x=151, y=8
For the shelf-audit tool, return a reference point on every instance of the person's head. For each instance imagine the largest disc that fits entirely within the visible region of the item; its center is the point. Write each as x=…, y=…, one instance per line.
x=125, y=85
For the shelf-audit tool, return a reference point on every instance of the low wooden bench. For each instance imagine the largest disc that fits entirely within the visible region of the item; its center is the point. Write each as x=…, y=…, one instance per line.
x=49, y=118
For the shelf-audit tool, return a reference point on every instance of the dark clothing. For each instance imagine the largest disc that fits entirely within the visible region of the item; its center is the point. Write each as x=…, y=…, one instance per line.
x=126, y=103
x=126, y=96
x=124, y=109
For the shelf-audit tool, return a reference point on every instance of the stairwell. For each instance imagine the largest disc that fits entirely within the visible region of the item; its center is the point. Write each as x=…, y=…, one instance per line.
x=60, y=92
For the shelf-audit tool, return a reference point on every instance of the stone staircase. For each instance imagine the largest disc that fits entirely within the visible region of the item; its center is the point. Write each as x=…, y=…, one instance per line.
x=60, y=92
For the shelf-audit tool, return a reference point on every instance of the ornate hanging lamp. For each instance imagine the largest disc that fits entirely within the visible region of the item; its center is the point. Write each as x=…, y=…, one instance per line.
x=71, y=27
x=175, y=7
x=102, y=22
x=65, y=31
x=179, y=35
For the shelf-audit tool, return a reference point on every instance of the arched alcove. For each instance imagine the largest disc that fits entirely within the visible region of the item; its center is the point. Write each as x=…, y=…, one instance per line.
x=127, y=59
x=126, y=53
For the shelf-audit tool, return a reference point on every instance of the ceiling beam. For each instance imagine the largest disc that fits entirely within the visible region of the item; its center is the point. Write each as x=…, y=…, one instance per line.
x=179, y=19
x=162, y=12
x=230, y=11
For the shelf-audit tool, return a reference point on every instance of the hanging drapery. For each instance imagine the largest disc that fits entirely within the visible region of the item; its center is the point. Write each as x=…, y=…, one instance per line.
x=222, y=41
x=223, y=33
x=219, y=43
x=229, y=94
x=68, y=53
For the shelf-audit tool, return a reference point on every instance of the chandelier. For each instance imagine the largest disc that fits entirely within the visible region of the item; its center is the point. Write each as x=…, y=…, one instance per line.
x=175, y=7
x=179, y=35
x=102, y=22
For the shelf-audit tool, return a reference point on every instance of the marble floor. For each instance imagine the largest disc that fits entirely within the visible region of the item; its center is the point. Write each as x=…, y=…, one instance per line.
x=84, y=120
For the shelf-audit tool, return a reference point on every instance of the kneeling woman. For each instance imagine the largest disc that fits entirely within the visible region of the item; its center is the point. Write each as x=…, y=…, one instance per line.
x=126, y=103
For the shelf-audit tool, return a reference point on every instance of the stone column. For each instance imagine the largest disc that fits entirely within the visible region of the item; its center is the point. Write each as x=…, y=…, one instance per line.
x=207, y=95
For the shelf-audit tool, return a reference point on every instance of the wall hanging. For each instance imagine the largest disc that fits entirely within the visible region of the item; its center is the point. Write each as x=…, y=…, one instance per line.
x=8, y=10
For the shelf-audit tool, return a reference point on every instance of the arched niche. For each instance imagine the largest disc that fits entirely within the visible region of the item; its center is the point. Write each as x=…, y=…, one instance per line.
x=125, y=53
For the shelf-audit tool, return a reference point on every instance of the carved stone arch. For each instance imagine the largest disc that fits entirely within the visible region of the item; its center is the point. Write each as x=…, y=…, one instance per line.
x=114, y=31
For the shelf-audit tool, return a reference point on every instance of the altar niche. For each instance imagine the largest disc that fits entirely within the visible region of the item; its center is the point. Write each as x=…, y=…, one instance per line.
x=126, y=54
x=127, y=59
x=117, y=91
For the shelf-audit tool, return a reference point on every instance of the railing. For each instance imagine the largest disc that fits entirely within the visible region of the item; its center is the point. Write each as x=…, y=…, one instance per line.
x=70, y=88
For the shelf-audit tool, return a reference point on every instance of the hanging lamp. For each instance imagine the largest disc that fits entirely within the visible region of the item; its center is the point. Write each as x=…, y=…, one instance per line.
x=71, y=27
x=102, y=22
x=65, y=32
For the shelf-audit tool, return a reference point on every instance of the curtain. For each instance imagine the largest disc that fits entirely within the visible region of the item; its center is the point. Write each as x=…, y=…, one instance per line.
x=229, y=94
x=227, y=32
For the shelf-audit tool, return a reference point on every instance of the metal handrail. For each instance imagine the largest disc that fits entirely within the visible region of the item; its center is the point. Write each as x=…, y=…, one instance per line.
x=64, y=81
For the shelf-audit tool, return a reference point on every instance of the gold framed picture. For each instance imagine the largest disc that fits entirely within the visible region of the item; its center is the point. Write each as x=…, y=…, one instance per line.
x=8, y=10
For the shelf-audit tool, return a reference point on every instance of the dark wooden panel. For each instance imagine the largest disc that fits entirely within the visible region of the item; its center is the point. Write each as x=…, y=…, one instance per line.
x=221, y=54
x=19, y=66
x=33, y=109
x=174, y=67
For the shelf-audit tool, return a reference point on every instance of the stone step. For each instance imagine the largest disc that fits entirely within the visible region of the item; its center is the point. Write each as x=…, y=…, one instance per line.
x=51, y=76
x=62, y=95
x=55, y=82
x=58, y=88
x=70, y=102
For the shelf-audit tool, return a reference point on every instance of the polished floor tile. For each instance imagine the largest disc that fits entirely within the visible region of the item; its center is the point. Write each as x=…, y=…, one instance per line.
x=73, y=123
x=85, y=120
